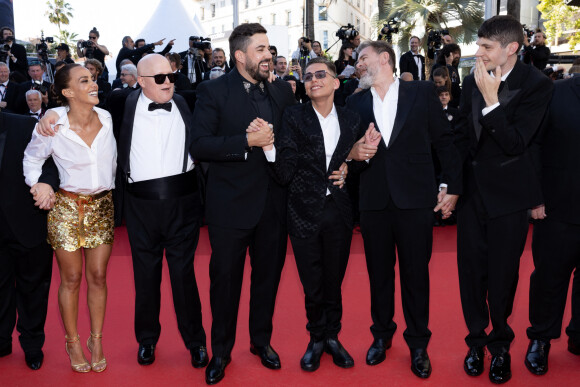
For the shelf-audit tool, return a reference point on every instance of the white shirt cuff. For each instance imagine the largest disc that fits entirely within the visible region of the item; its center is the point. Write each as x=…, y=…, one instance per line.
x=488, y=109
x=271, y=154
x=441, y=186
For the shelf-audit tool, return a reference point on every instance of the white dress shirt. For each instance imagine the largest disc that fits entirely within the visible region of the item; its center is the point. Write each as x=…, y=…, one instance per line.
x=386, y=110
x=417, y=59
x=330, y=133
x=81, y=169
x=158, y=142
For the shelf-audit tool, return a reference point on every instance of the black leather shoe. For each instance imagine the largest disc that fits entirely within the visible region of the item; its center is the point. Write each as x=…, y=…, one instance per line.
x=215, y=371
x=34, y=359
x=269, y=357
x=340, y=356
x=573, y=346
x=500, y=369
x=376, y=353
x=420, y=363
x=5, y=351
x=311, y=359
x=473, y=363
x=199, y=356
x=537, y=356
x=146, y=354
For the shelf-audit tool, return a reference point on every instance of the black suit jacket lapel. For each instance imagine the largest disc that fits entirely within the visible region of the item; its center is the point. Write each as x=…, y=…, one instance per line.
x=124, y=147
x=188, y=121
x=407, y=93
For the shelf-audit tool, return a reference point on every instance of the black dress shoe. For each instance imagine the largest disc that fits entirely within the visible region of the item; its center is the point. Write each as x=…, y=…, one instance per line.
x=311, y=359
x=146, y=354
x=340, y=356
x=215, y=371
x=34, y=359
x=500, y=368
x=376, y=353
x=573, y=346
x=269, y=357
x=5, y=351
x=199, y=356
x=420, y=363
x=473, y=363
x=537, y=356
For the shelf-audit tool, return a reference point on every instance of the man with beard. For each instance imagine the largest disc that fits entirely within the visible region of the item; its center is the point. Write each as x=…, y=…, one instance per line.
x=219, y=61
x=397, y=196
x=245, y=207
x=502, y=105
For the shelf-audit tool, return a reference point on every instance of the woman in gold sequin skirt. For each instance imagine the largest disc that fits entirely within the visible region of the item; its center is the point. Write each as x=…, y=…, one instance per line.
x=81, y=220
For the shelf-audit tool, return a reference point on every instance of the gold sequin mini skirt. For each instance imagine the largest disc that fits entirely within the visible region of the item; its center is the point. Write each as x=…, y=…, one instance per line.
x=78, y=220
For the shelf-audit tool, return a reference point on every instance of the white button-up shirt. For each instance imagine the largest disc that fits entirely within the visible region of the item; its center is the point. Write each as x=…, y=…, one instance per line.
x=81, y=168
x=386, y=110
x=331, y=134
x=158, y=142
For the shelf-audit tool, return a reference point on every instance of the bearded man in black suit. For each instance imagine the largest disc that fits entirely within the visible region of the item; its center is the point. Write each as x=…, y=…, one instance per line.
x=245, y=206
x=556, y=240
x=25, y=255
x=398, y=194
x=502, y=105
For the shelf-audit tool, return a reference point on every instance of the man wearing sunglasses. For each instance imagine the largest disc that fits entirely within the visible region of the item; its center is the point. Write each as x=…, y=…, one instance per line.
x=398, y=196
x=311, y=149
x=156, y=190
x=245, y=206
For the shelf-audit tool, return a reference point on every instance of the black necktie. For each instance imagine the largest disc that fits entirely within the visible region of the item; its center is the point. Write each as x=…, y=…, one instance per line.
x=165, y=106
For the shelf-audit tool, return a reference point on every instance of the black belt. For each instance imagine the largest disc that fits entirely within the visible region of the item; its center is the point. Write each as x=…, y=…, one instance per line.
x=170, y=187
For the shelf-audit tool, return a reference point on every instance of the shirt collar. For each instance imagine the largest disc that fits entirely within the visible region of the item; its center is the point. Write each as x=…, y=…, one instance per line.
x=392, y=93
x=145, y=100
x=63, y=120
x=331, y=114
x=503, y=76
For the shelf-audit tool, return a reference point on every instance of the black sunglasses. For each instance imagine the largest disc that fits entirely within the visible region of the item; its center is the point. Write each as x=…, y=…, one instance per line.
x=320, y=74
x=160, y=78
x=92, y=37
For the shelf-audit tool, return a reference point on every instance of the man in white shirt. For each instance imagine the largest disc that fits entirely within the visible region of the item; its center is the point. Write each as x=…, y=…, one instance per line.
x=398, y=195
x=8, y=90
x=412, y=61
x=129, y=76
x=34, y=102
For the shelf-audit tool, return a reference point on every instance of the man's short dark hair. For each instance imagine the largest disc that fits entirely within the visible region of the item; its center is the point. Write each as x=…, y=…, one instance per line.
x=139, y=41
x=443, y=89
x=504, y=29
x=273, y=48
x=240, y=37
x=278, y=57
x=5, y=28
x=220, y=50
x=380, y=46
x=329, y=65
x=289, y=78
x=414, y=37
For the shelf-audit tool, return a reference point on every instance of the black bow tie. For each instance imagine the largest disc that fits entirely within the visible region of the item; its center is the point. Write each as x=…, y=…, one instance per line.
x=164, y=106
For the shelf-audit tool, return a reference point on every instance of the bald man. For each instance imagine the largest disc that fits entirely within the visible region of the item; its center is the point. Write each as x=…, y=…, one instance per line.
x=162, y=207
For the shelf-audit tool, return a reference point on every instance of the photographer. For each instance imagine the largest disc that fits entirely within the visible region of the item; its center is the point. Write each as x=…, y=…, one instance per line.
x=304, y=52
x=436, y=39
x=193, y=64
x=536, y=52
x=130, y=52
x=35, y=72
x=449, y=57
x=12, y=53
x=91, y=49
x=63, y=53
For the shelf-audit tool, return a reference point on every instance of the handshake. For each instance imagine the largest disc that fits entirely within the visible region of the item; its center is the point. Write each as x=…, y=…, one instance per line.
x=260, y=133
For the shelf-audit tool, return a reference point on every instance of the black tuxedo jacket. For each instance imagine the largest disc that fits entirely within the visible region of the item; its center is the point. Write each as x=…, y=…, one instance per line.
x=495, y=148
x=11, y=97
x=27, y=222
x=21, y=65
x=403, y=169
x=301, y=163
x=21, y=105
x=407, y=64
x=124, y=142
x=182, y=82
x=200, y=68
x=237, y=186
x=560, y=153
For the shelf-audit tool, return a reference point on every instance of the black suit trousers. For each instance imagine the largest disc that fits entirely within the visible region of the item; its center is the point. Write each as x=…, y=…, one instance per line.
x=24, y=286
x=267, y=248
x=573, y=329
x=488, y=261
x=155, y=226
x=410, y=233
x=556, y=250
x=321, y=260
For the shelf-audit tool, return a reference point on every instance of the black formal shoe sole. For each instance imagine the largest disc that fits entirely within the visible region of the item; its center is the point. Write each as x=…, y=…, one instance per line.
x=533, y=370
x=505, y=379
x=265, y=363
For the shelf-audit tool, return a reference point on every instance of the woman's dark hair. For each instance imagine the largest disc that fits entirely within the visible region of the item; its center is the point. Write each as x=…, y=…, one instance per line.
x=61, y=82
x=94, y=31
x=344, y=47
x=443, y=72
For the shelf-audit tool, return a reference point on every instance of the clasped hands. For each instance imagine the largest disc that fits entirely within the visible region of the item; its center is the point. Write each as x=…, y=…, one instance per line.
x=43, y=196
x=366, y=147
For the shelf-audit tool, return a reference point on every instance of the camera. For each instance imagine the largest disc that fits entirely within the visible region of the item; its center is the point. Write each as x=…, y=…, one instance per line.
x=346, y=32
x=85, y=44
x=529, y=32
x=200, y=43
x=42, y=47
x=435, y=38
x=389, y=28
x=40, y=87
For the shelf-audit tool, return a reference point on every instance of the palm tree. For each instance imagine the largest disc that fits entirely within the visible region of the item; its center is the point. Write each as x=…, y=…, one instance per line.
x=461, y=17
x=309, y=19
x=59, y=12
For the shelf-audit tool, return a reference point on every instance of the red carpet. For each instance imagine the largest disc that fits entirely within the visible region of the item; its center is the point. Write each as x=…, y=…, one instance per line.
x=172, y=367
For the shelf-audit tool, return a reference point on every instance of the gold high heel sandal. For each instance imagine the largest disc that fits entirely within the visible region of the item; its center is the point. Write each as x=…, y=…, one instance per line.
x=76, y=367
x=95, y=366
